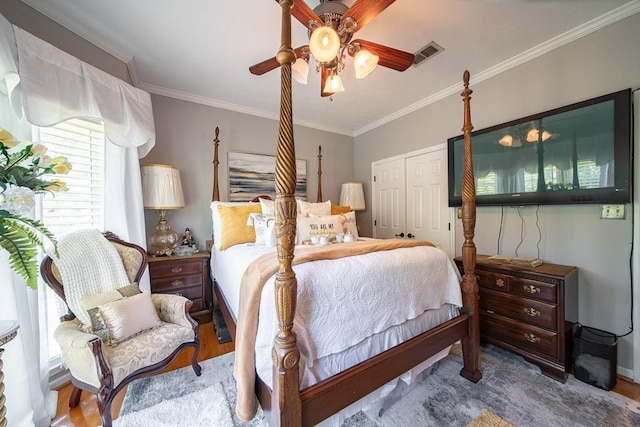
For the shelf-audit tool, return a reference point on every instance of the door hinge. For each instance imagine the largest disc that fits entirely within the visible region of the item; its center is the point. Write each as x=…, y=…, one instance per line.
x=374, y=178
x=449, y=226
x=375, y=222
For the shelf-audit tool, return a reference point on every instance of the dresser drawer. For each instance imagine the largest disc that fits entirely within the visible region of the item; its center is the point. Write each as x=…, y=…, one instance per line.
x=159, y=270
x=522, y=309
x=529, y=337
x=495, y=281
x=533, y=289
x=193, y=293
x=177, y=283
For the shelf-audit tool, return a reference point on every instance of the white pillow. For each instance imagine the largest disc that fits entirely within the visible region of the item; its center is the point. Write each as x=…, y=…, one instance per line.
x=268, y=207
x=349, y=223
x=306, y=209
x=217, y=222
x=320, y=225
x=265, y=230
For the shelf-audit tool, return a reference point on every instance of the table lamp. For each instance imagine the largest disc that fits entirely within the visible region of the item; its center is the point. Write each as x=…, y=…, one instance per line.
x=162, y=190
x=352, y=195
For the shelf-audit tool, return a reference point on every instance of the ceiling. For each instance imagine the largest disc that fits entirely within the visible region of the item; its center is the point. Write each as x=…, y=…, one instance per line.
x=200, y=50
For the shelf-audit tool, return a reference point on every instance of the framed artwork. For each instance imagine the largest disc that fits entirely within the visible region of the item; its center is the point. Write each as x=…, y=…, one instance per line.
x=252, y=175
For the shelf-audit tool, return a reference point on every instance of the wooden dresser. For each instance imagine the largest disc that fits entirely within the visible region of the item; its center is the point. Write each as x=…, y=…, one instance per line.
x=529, y=310
x=187, y=276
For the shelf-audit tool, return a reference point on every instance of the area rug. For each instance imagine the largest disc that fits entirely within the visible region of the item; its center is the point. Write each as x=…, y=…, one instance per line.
x=511, y=388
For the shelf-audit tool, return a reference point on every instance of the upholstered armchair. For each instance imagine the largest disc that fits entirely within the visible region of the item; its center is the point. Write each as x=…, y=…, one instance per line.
x=127, y=334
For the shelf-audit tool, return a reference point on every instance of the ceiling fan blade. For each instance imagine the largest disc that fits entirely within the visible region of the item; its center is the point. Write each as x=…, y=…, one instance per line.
x=324, y=75
x=303, y=13
x=389, y=57
x=272, y=63
x=364, y=11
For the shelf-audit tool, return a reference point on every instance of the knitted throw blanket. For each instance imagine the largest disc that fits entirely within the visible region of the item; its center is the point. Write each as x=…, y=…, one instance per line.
x=89, y=264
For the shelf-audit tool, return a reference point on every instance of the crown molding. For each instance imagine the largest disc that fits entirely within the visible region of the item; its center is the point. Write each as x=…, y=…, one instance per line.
x=583, y=30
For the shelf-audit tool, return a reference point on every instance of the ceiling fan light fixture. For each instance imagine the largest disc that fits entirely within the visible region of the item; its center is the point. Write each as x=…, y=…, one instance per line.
x=533, y=135
x=364, y=62
x=300, y=70
x=506, y=141
x=333, y=84
x=324, y=44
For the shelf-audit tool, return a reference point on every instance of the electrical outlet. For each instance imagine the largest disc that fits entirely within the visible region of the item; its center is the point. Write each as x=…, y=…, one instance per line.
x=612, y=212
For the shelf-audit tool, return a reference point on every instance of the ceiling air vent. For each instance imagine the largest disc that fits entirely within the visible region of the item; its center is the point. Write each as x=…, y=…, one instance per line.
x=427, y=52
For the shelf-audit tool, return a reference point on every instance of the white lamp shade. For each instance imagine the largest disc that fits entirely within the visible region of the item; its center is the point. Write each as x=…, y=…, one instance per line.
x=352, y=195
x=161, y=187
x=333, y=84
x=300, y=71
x=324, y=44
x=364, y=62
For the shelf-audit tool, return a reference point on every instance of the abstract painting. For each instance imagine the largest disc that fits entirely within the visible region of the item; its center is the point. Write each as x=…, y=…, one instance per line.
x=252, y=175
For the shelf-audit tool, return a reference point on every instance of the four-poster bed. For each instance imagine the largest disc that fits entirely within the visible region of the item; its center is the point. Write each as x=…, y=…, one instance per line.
x=284, y=403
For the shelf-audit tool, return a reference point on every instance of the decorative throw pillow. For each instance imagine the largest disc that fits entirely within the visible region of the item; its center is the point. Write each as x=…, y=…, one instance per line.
x=217, y=222
x=337, y=210
x=320, y=225
x=264, y=227
x=349, y=223
x=91, y=304
x=306, y=209
x=233, y=225
x=268, y=206
x=129, y=316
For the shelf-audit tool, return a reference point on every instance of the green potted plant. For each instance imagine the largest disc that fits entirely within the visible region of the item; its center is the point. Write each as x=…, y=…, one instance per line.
x=22, y=175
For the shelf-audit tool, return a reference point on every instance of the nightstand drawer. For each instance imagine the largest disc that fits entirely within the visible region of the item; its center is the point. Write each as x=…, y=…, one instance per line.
x=534, y=339
x=533, y=289
x=521, y=309
x=177, y=283
x=159, y=270
x=193, y=293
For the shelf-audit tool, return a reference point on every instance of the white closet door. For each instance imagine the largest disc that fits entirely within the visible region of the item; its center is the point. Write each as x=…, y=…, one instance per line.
x=389, y=199
x=428, y=214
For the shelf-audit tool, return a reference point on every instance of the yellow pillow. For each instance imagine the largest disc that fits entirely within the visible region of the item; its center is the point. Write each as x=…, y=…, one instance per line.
x=233, y=224
x=339, y=210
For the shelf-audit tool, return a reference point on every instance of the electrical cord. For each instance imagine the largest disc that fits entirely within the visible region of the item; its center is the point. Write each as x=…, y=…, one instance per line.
x=521, y=230
x=500, y=230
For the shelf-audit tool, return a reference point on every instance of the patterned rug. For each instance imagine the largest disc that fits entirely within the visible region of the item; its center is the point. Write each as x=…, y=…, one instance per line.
x=511, y=388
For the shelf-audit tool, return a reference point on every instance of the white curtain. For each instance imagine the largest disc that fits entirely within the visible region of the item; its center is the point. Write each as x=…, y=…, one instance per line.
x=51, y=86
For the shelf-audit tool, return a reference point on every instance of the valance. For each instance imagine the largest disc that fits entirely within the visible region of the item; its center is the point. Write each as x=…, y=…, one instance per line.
x=54, y=86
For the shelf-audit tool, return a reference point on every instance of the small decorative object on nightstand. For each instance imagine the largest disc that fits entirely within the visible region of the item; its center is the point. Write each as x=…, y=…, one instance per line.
x=188, y=276
x=8, y=331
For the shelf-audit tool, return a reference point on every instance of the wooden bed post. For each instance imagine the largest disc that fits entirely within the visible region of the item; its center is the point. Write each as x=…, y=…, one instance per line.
x=285, y=400
x=319, y=174
x=470, y=343
x=216, y=142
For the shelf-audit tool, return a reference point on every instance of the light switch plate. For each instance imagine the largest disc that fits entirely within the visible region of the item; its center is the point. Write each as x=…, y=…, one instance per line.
x=612, y=212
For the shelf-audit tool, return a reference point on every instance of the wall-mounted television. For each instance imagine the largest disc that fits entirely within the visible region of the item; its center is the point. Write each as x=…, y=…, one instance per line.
x=580, y=153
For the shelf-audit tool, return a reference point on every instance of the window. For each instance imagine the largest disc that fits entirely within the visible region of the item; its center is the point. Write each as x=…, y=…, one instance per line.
x=82, y=142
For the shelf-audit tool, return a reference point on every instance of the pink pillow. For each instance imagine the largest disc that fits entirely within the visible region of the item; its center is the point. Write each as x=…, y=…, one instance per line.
x=129, y=316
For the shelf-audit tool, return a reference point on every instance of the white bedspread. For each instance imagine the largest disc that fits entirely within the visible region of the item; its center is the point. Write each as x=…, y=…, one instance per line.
x=378, y=299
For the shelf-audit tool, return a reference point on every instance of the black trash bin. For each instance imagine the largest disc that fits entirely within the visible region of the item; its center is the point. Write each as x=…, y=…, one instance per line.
x=595, y=356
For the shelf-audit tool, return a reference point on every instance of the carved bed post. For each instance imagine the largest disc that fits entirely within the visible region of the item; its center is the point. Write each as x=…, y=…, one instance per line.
x=216, y=191
x=471, y=343
x=319, y=174
x=286, y=403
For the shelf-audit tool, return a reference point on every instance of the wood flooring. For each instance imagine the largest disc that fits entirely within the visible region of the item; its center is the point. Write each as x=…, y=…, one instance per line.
x=86, y=413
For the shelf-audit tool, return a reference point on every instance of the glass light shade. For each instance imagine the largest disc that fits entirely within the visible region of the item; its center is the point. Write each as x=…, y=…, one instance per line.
x=533, y=134
x=508, y=141
x=324, y=44
x=352, y=195
x=162, y=190
x=333, y=84
x=300, y=71
x=364, y=62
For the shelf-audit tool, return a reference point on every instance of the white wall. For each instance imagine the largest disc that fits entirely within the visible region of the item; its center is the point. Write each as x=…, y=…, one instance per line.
x=602, y=62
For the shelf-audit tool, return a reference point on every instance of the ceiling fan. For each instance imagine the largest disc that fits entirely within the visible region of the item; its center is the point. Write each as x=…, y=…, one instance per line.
x=331, y=26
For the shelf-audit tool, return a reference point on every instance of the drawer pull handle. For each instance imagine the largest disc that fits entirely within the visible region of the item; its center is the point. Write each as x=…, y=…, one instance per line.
x=531, y=338
x=490, y=311
x=176, y=269
x=531, y=289
x=531, y=312
x=500, y=283
x=176, y=283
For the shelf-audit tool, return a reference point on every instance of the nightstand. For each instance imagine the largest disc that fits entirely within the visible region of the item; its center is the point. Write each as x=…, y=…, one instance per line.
x=187, y=276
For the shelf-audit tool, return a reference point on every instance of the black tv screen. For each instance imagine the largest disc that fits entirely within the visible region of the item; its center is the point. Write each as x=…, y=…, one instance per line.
x=581, y=153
